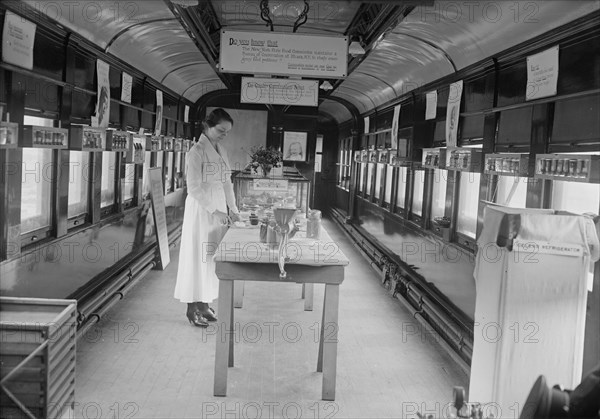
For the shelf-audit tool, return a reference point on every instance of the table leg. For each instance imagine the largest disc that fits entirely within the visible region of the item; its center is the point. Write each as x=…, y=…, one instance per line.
x=303, y=290
x=231, y=325
x=238, y=294
x=308, y=297
x=224, y=337
x=321, y=334
x=330, y=338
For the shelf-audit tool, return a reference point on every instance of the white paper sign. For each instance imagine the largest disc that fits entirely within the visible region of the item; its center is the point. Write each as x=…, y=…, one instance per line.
x=542, y=74
x=17, y=41
x=159, y=112
x=395, y=121
x=280, y=91
x=100, y=119
x=453, y=113
x=126, y=84
x=319, y=146
x=431, y=105
x=266, y=184
x=284, y=54
x=366, y=119
x=186, y=114
x=318, y=162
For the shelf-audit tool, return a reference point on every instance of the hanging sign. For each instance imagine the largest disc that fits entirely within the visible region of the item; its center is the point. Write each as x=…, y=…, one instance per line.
x=542, y=74
x=395, y=120
x=159, y=112
x=453, y=113
x=284, y=54
x=280, y=91
x=17, y=41
x=431, y=105
x=186, y=114
x=100, y=119
x=126, y=83
x=366, y=123
x=160, y=214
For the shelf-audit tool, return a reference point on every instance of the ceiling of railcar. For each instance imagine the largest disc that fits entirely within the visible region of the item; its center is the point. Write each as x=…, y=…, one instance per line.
x=408, y=44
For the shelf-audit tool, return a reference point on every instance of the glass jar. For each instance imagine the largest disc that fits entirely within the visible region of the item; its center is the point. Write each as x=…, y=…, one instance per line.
x=313, y=225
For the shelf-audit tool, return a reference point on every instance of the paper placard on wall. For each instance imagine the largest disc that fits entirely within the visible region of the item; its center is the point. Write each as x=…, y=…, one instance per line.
x=17, y=41
x=366, y=122
x=284, y=54
x=318, y=162
x=126, y=83
x=280, y=91
x=431, y=105
x=453, y=113
x=160, y=214
x=319, y=146
x=186, y=114
x=266, y=184
x=395, y=121
x=542, y=74
x=100, y=119
x=159, y=112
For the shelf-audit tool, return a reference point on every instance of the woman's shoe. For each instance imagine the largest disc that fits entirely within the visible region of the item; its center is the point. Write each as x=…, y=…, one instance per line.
x=206, y=312
x=196, y=319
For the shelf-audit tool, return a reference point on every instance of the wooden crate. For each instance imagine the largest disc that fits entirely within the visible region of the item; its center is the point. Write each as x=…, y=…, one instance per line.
x=38, y=357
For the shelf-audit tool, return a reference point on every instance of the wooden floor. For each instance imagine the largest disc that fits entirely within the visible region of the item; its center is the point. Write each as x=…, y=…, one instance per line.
x=144, y=360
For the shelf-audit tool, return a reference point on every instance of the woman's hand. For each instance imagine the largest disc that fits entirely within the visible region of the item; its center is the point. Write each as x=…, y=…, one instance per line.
x=221, y=217
x=234, y=216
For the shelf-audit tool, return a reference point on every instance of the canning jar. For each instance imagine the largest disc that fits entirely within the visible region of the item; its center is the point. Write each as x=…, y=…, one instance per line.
x=313, y=225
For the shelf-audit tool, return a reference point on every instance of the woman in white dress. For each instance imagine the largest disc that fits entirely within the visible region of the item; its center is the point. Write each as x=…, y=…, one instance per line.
x=205, y=219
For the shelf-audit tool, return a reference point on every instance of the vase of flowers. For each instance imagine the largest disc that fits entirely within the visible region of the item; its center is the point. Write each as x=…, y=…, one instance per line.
x=265, y=158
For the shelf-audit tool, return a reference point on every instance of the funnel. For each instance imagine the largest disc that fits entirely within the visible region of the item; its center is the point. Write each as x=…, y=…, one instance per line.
x=284, y=219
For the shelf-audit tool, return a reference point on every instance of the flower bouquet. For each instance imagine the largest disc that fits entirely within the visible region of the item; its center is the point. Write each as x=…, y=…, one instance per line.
x=265, y=158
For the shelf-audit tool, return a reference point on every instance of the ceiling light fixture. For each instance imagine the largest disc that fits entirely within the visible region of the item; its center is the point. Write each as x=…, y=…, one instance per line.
x=356, y=48
x=326, y=85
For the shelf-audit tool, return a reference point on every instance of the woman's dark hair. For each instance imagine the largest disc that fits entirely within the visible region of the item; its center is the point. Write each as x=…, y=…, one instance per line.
x=215, y=117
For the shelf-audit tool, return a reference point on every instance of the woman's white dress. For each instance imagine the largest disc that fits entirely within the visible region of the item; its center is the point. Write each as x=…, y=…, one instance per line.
x=209, y=188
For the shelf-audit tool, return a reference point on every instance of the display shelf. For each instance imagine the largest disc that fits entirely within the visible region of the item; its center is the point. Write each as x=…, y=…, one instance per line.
x=86, y=138
x=169, y=143
x=507, y=164
x=136, y=149
x=372, y=156
x=178, y=144
x=464, y=159
x=9, y=134
x=568, y=167
x=434, y=158
x=44, y=137
x=154, y=143
x=383, y=156
x=117, y=140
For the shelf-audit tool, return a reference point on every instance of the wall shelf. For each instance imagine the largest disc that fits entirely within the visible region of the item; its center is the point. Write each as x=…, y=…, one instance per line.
x=507, y=164
x=464, y=159
x=86, y=138
x=568, y=167
x=9, y=134
x=44, y=137
x=117, y=140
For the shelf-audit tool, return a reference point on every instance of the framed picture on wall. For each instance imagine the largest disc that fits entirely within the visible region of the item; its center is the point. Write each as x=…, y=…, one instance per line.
x=294, y=146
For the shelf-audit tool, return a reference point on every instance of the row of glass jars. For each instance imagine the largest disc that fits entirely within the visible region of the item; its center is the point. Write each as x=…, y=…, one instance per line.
x=503, y=164
x=563, y=167
x=92, y=139
x=43, y=137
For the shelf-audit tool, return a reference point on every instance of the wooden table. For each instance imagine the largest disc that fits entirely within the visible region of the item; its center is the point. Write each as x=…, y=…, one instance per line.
x=241, y=257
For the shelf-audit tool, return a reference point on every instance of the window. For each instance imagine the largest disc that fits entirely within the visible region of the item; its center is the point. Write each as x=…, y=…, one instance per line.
x=146, y=176
x=401, y=187
x=36, y=189
x=576, y=197
x=37, y=174
x=361, y=177
x=344, y=163
x=178, y=171
x=379, y=168
x=438, y=198
x=387, y=198
x=169, y=171
x=128, y=183
x=468, y=203
x=418, y=188
x=370, y=168
x=109, y=162
x=511, y=191
x=79, y=184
